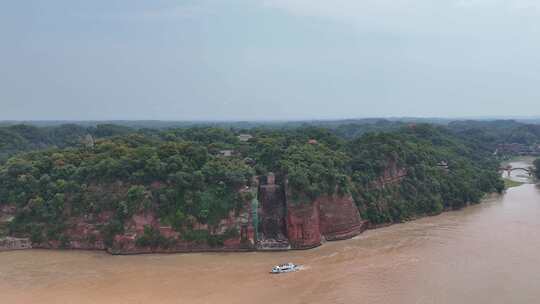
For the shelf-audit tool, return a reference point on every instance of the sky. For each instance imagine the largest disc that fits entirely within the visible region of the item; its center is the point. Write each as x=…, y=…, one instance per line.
x=268, y=59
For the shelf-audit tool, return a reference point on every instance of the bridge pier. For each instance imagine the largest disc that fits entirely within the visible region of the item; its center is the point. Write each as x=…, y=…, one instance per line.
x=509, y=170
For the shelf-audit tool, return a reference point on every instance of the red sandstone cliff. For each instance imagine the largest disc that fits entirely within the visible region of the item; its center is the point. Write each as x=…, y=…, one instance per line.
x=327, y=218
x=304, y=225
x=340, y=218
x=126, y=243
x=87, y=233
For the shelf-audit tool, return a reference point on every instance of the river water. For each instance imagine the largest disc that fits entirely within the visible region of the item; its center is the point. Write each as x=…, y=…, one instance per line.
x=487, y=253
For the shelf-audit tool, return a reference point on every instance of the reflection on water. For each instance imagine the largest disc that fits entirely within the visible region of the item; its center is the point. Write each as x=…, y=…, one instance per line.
x=483, y=254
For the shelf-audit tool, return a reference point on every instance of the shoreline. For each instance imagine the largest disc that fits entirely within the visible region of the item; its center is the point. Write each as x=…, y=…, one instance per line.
x=448, y=252
x=368, y=226
x=250, y=250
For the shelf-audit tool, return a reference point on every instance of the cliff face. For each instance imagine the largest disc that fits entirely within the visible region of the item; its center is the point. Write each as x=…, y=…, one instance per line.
x=391, y=175
x=126, y=243
x=282, y=225
x=88, y=236
x=87, y=233
x=304, y=225
x=332, y=217
x=327, y=218
x=340, y=218
x=7, y=213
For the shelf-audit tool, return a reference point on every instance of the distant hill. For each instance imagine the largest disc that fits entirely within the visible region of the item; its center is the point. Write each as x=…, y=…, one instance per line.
x=24, y=138
x=16, y=136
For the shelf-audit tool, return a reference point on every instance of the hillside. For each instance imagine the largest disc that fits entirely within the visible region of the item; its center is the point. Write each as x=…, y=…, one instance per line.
x=206, y=189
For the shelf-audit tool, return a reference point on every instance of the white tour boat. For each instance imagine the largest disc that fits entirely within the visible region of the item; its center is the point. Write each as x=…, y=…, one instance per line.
x=289, y=267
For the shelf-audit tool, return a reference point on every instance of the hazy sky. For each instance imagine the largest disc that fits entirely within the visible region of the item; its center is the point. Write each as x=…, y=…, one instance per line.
x=268, y=59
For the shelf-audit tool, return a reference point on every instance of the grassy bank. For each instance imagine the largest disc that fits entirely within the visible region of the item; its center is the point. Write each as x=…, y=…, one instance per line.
x=508, y=183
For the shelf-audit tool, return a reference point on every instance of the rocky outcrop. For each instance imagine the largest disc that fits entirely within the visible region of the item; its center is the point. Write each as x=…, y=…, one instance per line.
x=392, y=174
x=7, y=214
x=126, y=243
x=327, y=218
x=11, y=243
x=282, y=224
x=87, y=233
x=87, y=236
x=303, y=225
x=340, y=218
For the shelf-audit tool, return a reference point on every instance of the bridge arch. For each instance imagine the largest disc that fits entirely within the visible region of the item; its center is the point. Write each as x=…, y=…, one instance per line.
x=509, y=170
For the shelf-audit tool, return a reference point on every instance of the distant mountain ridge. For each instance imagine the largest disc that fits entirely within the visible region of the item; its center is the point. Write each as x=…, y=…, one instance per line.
x=18, y=137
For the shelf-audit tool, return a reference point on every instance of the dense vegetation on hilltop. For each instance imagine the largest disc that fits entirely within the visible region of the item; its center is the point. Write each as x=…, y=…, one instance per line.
x=429, y=185
x=24, y=138
x=490, y=133
x=177, y=180
x=16, y=137
x=181, y=175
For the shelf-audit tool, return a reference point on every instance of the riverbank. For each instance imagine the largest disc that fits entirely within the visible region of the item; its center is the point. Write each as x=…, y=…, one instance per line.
x=149, y=251
x=509, y=183
x=454, y=257
x=514, y=181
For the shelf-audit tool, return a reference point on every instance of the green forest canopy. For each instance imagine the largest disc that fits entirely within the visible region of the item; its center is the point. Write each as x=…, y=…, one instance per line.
x=180, y=175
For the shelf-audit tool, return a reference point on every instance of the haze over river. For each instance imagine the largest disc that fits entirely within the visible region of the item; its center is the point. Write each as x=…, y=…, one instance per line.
x=487, y=253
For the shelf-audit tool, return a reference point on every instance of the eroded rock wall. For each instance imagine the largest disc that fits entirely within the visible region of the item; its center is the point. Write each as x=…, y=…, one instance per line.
x=11, y=243
x=340, y=218
x=304, y=225
x=298, y=225
x=87, y=233
x=391, y=175
x=326, y=218
x=126, y=243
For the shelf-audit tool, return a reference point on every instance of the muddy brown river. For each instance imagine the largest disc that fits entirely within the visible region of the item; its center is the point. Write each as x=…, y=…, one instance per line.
x=488, y=253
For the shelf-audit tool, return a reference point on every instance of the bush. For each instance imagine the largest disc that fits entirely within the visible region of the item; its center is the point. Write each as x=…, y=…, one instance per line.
x=36, y=234
x=152, y=238
x=110, y=230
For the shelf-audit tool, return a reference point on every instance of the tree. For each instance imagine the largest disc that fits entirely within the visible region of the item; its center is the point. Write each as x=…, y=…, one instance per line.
x=537, y=168
x=314, y=169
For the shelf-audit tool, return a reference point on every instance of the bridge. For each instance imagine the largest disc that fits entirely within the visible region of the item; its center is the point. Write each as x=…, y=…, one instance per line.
x=508, y=169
